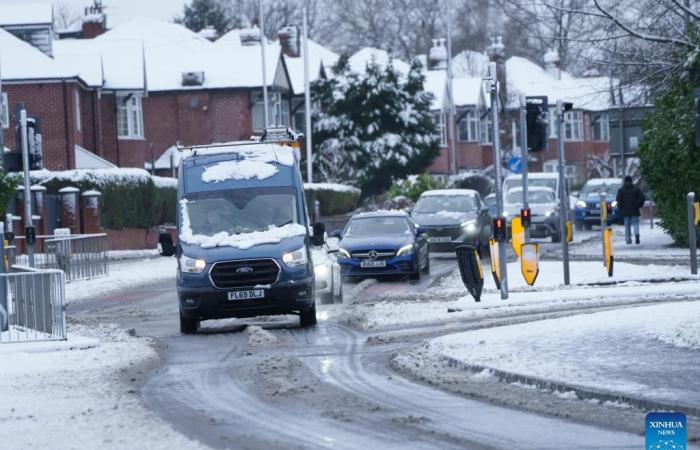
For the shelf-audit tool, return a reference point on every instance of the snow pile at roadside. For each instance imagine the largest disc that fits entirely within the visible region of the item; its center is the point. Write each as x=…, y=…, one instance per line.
x=78, y=398
x=685, y=334
x=259, y=337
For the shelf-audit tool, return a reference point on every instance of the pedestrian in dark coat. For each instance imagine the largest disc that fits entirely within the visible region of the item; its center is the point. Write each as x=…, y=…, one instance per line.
x=629, y=201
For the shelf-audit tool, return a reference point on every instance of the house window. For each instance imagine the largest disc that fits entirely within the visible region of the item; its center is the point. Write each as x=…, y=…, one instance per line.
x=486, y=129
x=277, y=110
x=439, y=120
x=129, y=116
x=469, y=126
x=4, y=111
x=298, y=115
x=78, y=124
x=573, y=126
x=600, y=126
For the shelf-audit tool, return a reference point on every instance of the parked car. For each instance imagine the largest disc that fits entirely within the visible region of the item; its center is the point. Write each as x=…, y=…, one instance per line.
x=452, y=217
x=244, y=242
x=328, y=283
x=587, y=209
x=382, y=243
x=544, y=210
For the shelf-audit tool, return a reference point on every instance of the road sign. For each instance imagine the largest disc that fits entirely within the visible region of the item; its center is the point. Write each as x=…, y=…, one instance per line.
x=470, y=269
x=530, y=262
x=515, y=164
x=517, y=232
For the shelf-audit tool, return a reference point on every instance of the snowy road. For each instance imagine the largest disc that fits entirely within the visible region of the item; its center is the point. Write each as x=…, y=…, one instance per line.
x=277, y=386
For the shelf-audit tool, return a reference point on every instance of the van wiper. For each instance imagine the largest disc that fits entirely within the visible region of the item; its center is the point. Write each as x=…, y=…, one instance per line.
x=286, y=223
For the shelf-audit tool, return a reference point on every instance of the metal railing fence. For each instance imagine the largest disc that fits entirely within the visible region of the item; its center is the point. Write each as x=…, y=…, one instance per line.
x=33, y=309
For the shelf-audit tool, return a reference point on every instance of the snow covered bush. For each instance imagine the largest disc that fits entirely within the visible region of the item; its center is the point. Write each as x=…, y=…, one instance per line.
x=482, y=183
x=373, y=127
x=333, y=198
x=669, y=160
x=131, y=198
x=413, y=186
x=8, y=186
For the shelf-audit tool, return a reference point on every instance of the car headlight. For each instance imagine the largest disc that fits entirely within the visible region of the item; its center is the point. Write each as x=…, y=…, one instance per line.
x=192, y=265
x=580, y=204
x=405, y=250
x=549, y=213
x=469, y=226
x=344, y=253
x=614, y=204
x=321, y=271
x=505, y=213
x=296, y=258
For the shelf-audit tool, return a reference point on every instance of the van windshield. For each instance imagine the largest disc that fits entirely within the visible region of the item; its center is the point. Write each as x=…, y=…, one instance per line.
x=236, y=211
x=539, y=182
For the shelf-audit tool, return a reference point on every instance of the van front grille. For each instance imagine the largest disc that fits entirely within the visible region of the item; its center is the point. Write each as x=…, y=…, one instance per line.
x=244, y=273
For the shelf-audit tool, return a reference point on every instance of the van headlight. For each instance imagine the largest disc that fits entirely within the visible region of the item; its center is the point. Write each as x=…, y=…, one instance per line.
x=192, y=265
x=296, y=258
x=469, y=226
x=344, y=253
x=580, y=204
x=405, y=250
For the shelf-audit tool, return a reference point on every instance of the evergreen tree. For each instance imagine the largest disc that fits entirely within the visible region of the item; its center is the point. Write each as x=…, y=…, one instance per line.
x=373, y=127
x=206, y=13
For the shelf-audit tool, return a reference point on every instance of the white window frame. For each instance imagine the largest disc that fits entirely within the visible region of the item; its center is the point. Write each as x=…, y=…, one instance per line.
x=78, y=121
x=485, y=126
x=439, y=118
x=132, y=112
x=4, y=111
x=601, y=123
x=277, y=106
x=573, y=126
x=469, y=120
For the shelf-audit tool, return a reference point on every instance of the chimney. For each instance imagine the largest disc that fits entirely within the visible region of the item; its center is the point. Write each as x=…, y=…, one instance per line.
x=497, y=53
x=94, y=21
x=209, y=33
x=289, y=40
x=250, y=36
x=552, y=63
x=437, y=58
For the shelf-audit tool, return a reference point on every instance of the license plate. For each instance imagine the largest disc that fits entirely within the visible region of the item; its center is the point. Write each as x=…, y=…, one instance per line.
x=439, y=239
x=373, y=264
x=246, y=295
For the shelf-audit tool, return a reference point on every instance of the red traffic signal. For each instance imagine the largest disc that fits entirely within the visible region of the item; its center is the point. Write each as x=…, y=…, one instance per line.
x=525, y=217
x=499, y=229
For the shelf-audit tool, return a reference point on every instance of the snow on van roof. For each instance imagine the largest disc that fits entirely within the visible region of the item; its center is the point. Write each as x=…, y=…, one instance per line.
x=254, y=161
x=449, y=192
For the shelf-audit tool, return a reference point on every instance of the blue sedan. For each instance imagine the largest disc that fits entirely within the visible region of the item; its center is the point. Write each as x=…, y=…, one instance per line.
x=382, y=243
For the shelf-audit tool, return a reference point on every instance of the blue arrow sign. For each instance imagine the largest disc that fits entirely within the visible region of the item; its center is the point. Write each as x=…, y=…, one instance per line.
x=515, y=164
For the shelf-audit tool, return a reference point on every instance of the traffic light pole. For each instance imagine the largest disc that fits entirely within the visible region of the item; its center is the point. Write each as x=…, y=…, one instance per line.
x=523, y=158
x=563, y=199
x=27, y=189
x=493, y=88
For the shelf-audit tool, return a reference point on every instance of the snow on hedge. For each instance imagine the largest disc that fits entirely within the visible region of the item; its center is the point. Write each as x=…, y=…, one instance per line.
x=101, y=177
x=336, y=187
x=243, y=241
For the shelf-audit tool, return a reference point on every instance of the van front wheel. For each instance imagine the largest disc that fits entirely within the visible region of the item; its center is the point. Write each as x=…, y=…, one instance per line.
x=307, y=317
x=188, y=326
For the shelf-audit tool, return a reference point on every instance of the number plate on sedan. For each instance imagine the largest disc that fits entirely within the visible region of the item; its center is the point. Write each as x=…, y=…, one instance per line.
x=439, y=239
x=246, y=295
x=374, y=264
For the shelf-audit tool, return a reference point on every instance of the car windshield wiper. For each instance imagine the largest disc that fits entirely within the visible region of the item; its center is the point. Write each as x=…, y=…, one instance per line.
x=286, y=223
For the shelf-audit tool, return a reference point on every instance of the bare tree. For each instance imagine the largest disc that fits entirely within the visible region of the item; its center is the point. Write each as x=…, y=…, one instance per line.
x=65, y=17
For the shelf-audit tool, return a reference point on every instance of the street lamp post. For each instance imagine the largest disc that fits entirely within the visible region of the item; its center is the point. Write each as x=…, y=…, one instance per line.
x=451, y=121
x=307, y=102
x=563, y=200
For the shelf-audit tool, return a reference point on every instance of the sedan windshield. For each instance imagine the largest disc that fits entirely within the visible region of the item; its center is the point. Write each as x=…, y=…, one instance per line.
x=238, y=211
x=516, y=196
x=373, y=226
x=610, y=189
x=452, y=203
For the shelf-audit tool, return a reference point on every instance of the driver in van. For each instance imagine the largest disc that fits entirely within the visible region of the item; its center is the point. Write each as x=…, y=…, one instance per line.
x=214, y=222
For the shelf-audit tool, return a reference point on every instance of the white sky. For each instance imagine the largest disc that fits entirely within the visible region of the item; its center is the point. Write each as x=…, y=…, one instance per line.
x=119, y=11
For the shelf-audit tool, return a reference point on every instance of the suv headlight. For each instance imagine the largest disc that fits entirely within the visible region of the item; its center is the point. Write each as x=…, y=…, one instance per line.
x=344, y=253
x=405, y=250
x=469, y=226
x=614, y=204
x=296, y=258
x=580, y=204
x=192, y=265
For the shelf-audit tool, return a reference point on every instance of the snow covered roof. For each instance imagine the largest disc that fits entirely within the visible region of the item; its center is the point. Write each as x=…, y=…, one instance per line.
x=26, y=14
x=22, y=61
x=85, y=159
x=163, y=162
x=381, y=213
x=319, y=57
x=435, y=83
x=467, y=90
x=448, y=192
x=525, y=77
x=362, y=58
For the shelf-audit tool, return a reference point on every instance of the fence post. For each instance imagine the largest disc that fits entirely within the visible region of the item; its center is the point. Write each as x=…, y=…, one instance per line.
x=4, y=318
x=70, y=212
x=92, y=222
x=692, y=238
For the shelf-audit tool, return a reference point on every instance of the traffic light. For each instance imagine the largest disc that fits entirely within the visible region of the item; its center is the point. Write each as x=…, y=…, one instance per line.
x=13, y=160
x=499, y=229
x=525, y=217
x=536, y=118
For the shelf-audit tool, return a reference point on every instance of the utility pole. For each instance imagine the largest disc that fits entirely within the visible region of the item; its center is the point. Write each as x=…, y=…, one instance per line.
x=523, y=156
x=452, y=114
x=493, y=89
x=264, y=71
x=307, y=102
x=563, y=199
x=29, y=231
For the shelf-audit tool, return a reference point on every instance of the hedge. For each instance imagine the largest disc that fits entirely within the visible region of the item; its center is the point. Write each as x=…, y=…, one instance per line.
x=333, y=198
x=131, y=198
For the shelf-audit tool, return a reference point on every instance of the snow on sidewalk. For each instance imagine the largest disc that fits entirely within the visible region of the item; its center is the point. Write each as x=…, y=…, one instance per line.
x=122, y=275
x=548, y=294
x=639, y=352
x=655, y=243
x=78, y=399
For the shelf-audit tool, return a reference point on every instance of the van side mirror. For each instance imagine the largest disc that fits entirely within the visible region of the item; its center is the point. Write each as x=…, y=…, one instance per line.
x=319, y=234
x=165, y=244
